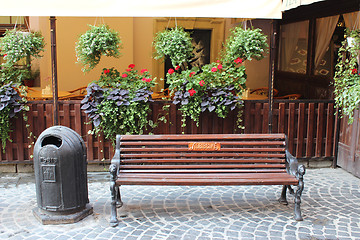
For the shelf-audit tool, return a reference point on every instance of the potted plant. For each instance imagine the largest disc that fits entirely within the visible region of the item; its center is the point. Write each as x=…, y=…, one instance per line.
x=18, y=48
x=174, y=43
x=214, y=87
x=10, y=104
x=347, y=76
x=118, y=103
x=98, y=41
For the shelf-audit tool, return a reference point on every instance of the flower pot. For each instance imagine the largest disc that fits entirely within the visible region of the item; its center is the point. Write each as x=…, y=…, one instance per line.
x=29, y=82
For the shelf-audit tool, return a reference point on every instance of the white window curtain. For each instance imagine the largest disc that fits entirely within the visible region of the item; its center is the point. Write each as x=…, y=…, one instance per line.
x=290, y=37
x=324, y=31
x=352, y=20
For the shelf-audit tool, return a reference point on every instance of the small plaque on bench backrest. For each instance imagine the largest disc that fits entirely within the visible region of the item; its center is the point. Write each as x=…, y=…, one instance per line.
x=204, y=146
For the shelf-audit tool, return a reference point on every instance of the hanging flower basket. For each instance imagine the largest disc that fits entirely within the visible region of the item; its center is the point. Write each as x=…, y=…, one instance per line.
x=98, y=41
x=17, y=45
x=174, y=43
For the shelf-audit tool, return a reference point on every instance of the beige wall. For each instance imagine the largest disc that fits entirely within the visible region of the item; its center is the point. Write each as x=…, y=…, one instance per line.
x=136, y=35
x=257, y=71
x=68, y=30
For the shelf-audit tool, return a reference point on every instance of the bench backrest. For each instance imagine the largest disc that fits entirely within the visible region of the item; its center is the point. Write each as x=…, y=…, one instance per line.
x=202, y=153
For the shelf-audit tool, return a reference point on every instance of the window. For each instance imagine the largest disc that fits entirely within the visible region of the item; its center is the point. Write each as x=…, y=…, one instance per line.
x=325, y=39
x=294, y=47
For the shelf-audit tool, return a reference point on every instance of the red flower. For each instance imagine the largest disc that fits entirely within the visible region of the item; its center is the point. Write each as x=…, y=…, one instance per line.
x=218, y=61
x=192, y=92
x=191, y=74
x=128, y=70
x=131, y=66
x=177, y=67
x=171, y=71
x=201, y=83
x=214, y=69
x=219, y=66
x=144, y=70
x=238, y=60
x=354, y=71
x=124, y=75
x=106, y=71
x=146, y=79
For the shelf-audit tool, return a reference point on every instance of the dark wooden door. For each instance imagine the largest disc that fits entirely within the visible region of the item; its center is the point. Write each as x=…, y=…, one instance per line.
x=349, y=148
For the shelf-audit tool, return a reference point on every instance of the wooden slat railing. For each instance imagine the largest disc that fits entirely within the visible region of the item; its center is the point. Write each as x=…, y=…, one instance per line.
x=309, y=126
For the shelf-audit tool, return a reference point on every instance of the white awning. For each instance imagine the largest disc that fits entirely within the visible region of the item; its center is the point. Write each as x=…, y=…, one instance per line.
x=144, y=8
x=289, y=4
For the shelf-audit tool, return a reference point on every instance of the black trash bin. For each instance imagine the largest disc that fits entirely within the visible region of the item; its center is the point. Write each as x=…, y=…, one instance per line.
x=61, y=176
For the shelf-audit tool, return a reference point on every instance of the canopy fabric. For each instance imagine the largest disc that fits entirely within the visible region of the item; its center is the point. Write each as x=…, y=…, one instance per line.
x=270, y=9
x=289, y=4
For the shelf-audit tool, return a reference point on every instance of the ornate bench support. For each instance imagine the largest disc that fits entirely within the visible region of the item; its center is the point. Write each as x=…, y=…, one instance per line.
x=282, y=198
x=115, y=191
x=300, y=188
x=298, y=170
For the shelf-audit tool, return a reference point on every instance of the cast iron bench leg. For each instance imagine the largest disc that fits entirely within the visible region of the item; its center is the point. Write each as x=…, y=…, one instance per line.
x=119, y=203
x=115, y=197
x=282, y=198
x=299, y=190
x=113, y=216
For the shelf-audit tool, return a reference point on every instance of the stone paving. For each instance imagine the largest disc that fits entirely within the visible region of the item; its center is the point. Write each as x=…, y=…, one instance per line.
x=330, y=206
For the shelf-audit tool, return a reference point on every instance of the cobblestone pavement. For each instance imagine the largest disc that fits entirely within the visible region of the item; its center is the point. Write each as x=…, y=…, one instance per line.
x=330, y=206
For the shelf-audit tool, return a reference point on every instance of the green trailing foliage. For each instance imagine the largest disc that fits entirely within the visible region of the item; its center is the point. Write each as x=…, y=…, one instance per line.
x=18, y=48
x=10, y=105
x=174, y=43
x=347, y=77
x=17, y=45
x=98, y=41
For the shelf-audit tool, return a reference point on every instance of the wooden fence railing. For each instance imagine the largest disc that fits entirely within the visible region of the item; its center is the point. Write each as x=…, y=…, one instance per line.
x=309, y=126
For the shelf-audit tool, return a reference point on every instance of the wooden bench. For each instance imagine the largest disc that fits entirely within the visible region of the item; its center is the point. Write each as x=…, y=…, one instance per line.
x=211, y=159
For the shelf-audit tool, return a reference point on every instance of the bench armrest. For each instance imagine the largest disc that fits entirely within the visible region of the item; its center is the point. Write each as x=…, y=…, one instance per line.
x=293, y=167
x=115, y=161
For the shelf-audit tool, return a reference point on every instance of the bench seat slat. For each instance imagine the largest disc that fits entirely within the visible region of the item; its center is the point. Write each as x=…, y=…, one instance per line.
x=199, y=182
x=202, y=137
x=183, y=143
x=207, y=175
x=205, y=166
x=202, y=171
x=185, y=149
x=202, y=160
x=198, y=154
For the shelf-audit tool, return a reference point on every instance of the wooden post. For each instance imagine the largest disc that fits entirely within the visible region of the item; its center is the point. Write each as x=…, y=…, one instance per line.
x=54, y=70
x=271, y=73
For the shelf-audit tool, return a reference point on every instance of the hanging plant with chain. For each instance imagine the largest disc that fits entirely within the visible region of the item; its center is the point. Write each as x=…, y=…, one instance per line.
x=98, y=41
x=16, y=46
x=174, y=43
